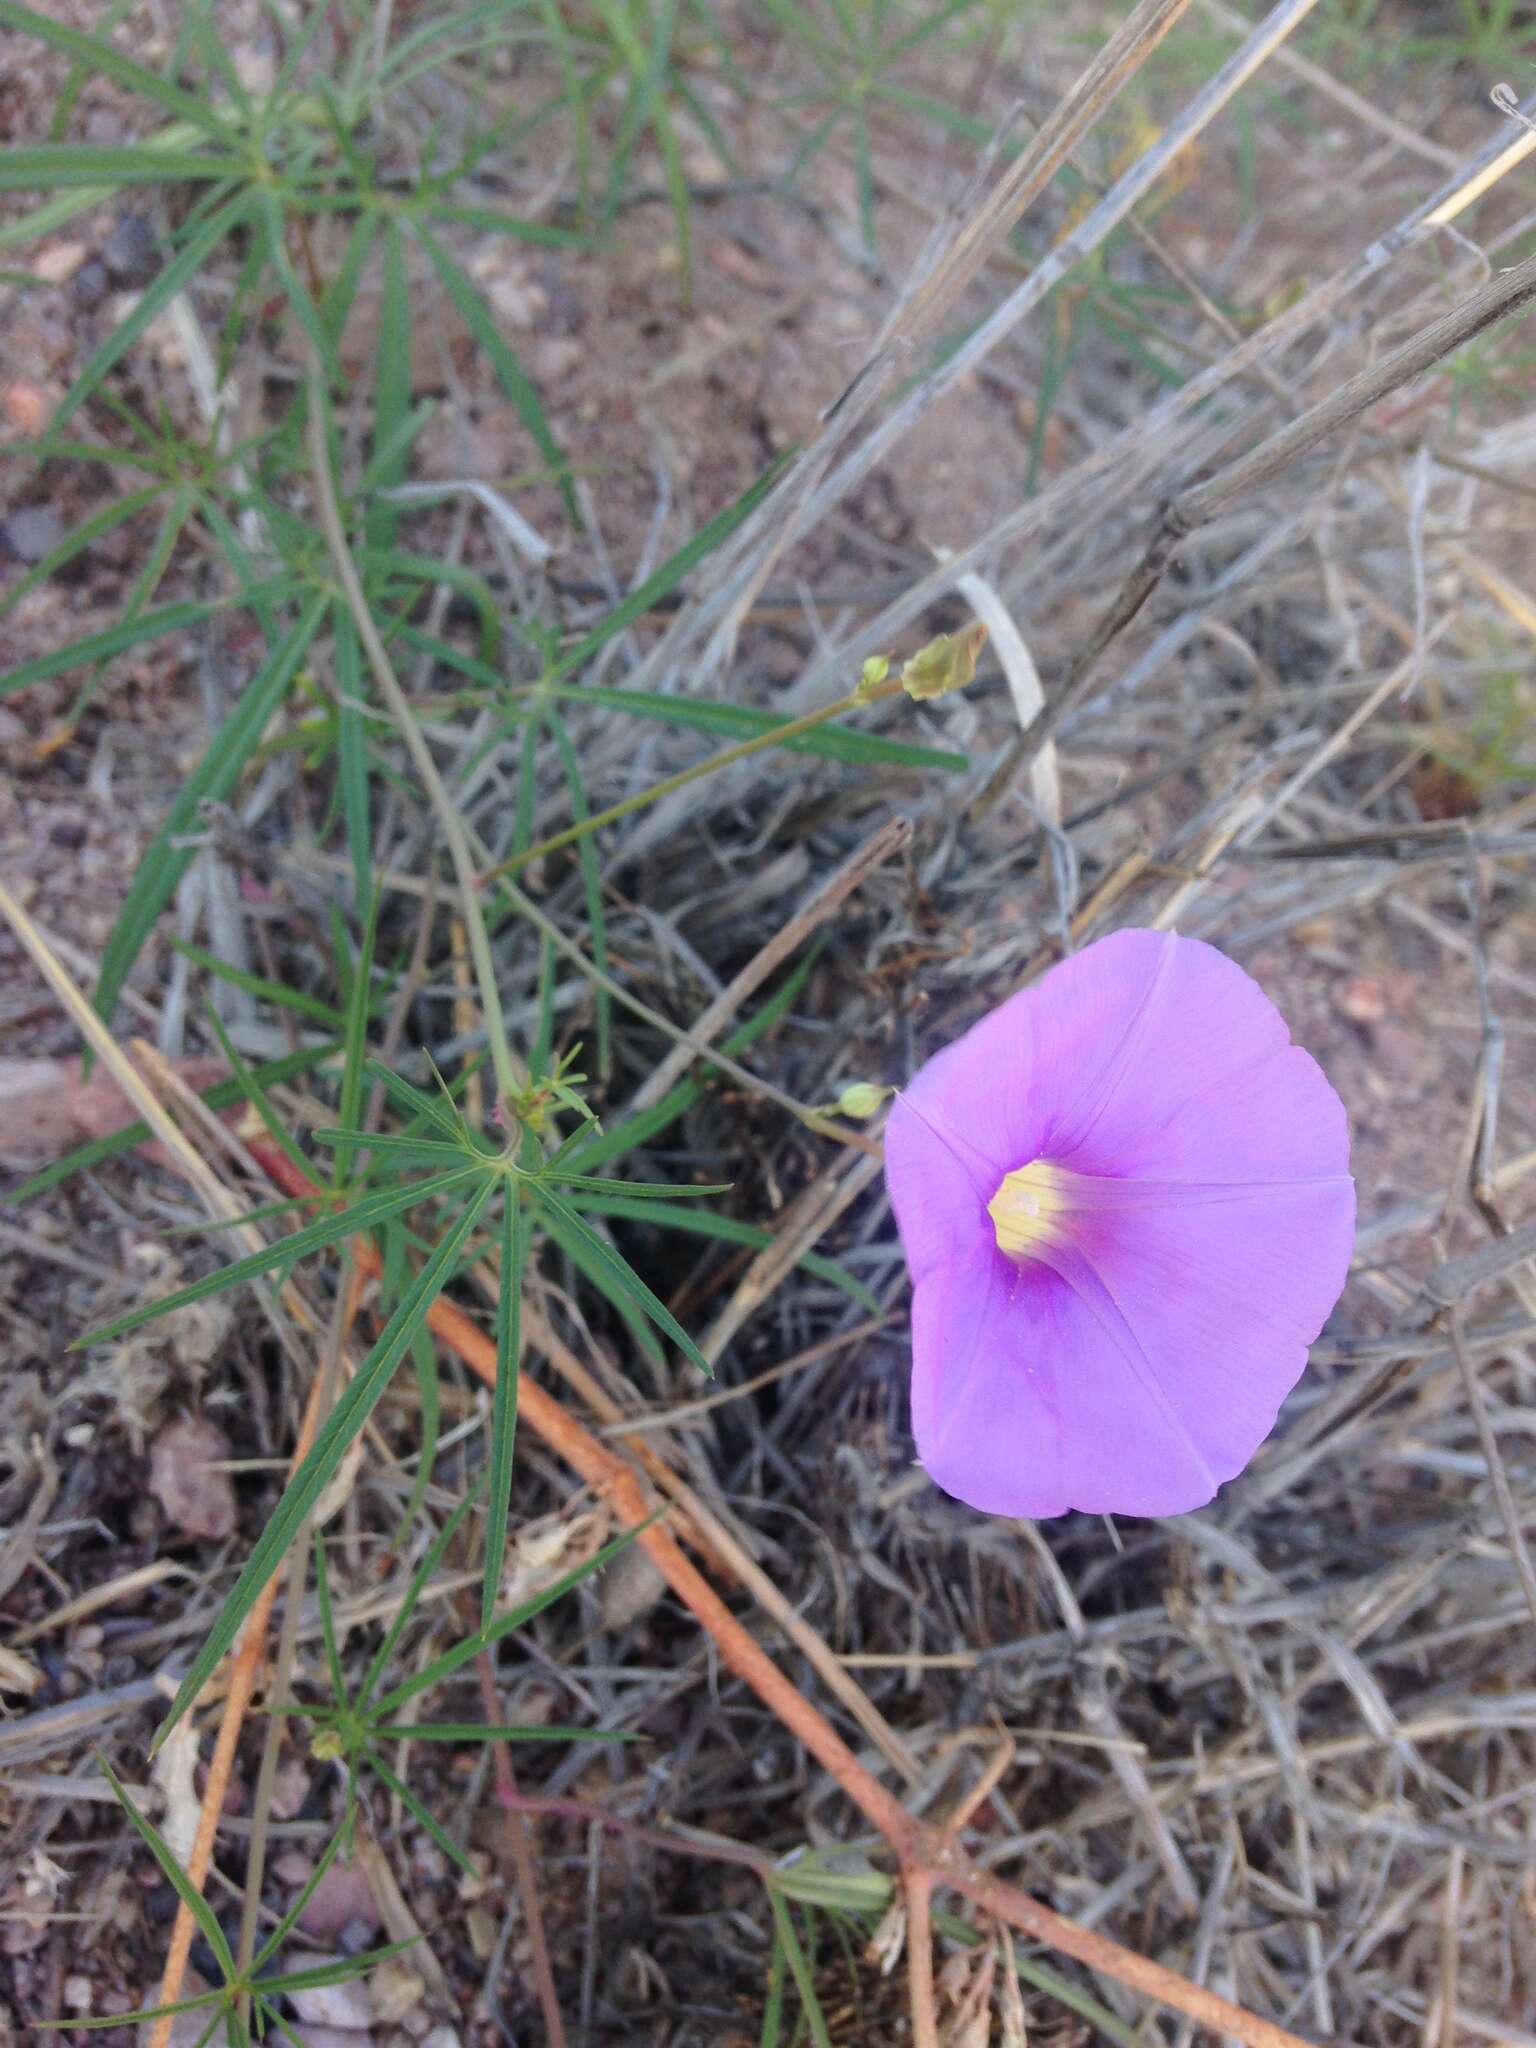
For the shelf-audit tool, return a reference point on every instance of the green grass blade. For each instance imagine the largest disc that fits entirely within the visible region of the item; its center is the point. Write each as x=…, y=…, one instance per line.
x=642, y=1335
x=294, y=1914
x=471, y=1731
x=431, y=1559
x=671, y=573
x=429, y=1393
x=99, y=56
x=730, y=1230
x=422, y=1815
x=514, y=1254
x=171, y=1870
x=344, y=1422
x=328, y=1622
x=799, y=1969
x=165, y=861
x=490, y=220
x=592, y=889
x=352, y=755
x=55, y=167
x=623, y=1279
x=744, y=722
x=84, y=536
x=391, y=389
x=274, y=992
x=220, y=1096
x=325, y=1230
x=639, y=1130
x=170, y=618
x=514, y=380
x=354, y=1041
x=465, y=1652
x=181, y=269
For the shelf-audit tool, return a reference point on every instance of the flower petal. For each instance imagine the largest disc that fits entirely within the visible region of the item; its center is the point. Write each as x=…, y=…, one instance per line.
x=1141, y=1356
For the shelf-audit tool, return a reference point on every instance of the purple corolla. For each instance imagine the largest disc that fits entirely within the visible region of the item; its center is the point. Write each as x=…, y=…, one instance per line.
x=1125, y=1201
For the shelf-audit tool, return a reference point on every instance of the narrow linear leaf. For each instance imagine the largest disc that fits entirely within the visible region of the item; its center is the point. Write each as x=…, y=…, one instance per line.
x=274, y=992
x=314, y=1474
x=514, y=1254
x=96, y=55
x=420, y=1578
x=182, y=267
x=53, y=166
x=625, y=1280
x=465, y=1652
x=96, y=528
x=220, y=1096
x=170, y=618
x=746, y=722
x=325, y=1230
x=165, y=862
x=472, y=1731
x=185, y=1890
x=513, y=378
x=731, y=1230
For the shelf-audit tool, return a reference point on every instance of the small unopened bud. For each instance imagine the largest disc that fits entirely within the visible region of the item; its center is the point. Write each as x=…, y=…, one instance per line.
x=873, y=674
x=945, y=664
x=861, y=1099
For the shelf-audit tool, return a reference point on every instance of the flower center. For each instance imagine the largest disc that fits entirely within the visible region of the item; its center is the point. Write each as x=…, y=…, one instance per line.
x=1027, y=1209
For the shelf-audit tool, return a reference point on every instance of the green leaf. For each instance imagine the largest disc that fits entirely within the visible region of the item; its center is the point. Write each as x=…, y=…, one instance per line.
x=352, y=754
x=492, y=221
x=101, y=57
x=641, y=1333
x=336, y=1434
x=514, y=1256
x=185, y=1890
x=465, y=1652
x=592, y=890
x=170, y=618
x=431, y=1559
x=340, y=1970
x=391, y=388
x=744, y=722
x=176, y=274
x=422, y=1815
x=85, y=535
x=514, y=380
x=624, y=1280
x=397, y=1145
x=472, y=1731
x=325, y=1230
x=265, y=991
x=799, y=1969
x=730, y=1230
x=354, y=1042
x=165, y=861
x=220, y=1096
x=671, y=573
x=429, y=1393
x=53, y=166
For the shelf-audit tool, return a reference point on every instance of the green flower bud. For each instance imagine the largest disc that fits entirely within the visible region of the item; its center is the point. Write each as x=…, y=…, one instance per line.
x=861, y=1099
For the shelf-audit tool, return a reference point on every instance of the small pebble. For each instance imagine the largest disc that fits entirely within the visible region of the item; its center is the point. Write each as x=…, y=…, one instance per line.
x=33, y=532
x=131, y=252
x=90, y=283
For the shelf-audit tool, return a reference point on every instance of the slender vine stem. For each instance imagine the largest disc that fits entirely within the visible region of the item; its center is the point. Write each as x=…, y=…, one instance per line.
x=775, y=736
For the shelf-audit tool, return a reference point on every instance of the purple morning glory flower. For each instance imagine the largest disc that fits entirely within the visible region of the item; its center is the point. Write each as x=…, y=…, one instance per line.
x=1125, y=1200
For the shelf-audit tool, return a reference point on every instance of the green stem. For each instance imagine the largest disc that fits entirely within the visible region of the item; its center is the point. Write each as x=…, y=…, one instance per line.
x=509, y=1083
x=776, y=736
